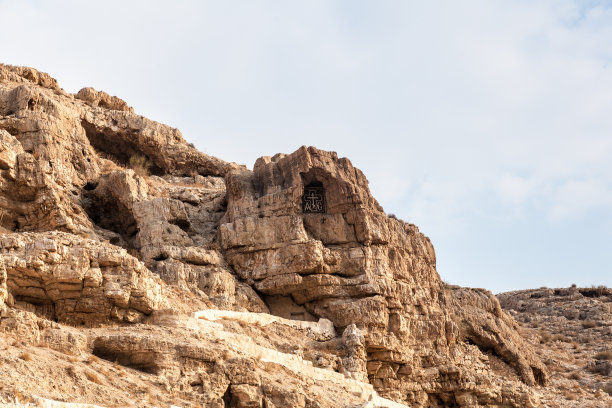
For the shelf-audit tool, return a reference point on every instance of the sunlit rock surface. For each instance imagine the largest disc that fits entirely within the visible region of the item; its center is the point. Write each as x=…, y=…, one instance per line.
x=114, y=232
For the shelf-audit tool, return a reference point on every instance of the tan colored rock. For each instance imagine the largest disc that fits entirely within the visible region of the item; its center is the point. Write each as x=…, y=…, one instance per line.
x=3, y=289
x=102, y=99
x=354, y=265
x=47, y=403
x=172, y=236
x=61, y=160
x=226, y=368
x=246, y=396
x=77, y=280
x=85, y=241
x=61, y=139
x=20, y=324
x=482, y=322
x=322, y=330
x=27, y=75
x=354, y=362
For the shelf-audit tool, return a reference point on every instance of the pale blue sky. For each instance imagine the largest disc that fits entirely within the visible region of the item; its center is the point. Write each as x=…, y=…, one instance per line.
x=486, y=123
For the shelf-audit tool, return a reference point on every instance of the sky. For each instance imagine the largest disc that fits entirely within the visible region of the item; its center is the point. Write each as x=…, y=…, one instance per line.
x=488, y=124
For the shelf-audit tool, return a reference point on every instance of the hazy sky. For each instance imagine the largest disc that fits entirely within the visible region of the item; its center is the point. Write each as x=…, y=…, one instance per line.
x=486, y=123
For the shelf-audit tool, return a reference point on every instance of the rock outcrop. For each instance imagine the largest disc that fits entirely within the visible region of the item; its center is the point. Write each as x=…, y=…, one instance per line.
x=53, y=144
x=108, y=219
x=77, y=281
x=352, y=264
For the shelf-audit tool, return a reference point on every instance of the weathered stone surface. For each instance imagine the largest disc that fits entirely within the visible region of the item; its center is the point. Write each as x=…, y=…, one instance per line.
x=102, y=99
x=354, y=363
x=3, y=289
x=53, y=144
x=322, y=330
x=225, y=368
x=98, y=203
x=77, y=280
x=29, y=76
x=354, y=265
x=20, y=324
x=482, y=322
x=172, y=236
x=28, y=328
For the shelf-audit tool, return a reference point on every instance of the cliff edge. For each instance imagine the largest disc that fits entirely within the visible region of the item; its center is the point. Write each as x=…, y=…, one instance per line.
x=148, y=273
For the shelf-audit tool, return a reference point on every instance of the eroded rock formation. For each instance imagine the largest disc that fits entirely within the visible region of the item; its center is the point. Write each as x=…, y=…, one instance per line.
x=88, y=241
x=354, y=265
x=77, y=281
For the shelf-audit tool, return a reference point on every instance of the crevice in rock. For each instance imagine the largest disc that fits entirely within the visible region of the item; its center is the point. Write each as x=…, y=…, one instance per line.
x=442, y=400
x=90, y=186
x=352, y=225
x=183, y=224
x=259, y=294
x=286, y=307
x=161, y=257
x=9, y=219
x=227, y=397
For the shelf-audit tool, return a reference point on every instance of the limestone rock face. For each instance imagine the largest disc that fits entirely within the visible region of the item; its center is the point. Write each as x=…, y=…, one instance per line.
x=102, y=99
x=172, y=229
x=354, y=265
x=63, y=162
x=77, y=281
x=53, y=144
x=483, y=323
x=108, y=220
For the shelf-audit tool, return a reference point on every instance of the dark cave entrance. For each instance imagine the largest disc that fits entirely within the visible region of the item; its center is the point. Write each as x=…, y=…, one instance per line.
x=118, y=146
x=112, y=215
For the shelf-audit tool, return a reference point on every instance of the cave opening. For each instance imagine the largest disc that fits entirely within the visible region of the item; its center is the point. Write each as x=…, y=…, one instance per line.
x=118, y=146
x=143, y=361
x=111, y=215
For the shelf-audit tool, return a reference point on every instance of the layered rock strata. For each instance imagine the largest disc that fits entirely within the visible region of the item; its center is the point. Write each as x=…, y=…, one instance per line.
x=107, y=218
x=77, y=281
x=352, y=264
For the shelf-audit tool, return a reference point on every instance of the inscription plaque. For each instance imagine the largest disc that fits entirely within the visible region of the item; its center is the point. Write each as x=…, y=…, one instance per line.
x=313, y=200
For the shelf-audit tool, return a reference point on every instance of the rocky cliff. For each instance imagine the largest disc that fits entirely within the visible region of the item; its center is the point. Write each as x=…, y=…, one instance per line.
x=115, y=232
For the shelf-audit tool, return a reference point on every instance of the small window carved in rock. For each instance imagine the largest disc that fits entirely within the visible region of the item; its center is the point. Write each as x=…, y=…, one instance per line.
x=313, y=200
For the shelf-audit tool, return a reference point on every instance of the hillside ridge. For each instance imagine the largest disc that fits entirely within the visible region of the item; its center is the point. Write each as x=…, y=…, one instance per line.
x=115, y=232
